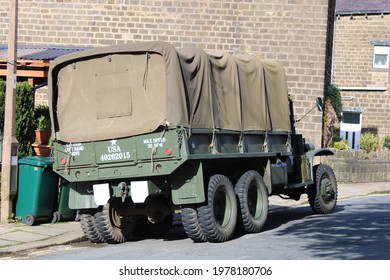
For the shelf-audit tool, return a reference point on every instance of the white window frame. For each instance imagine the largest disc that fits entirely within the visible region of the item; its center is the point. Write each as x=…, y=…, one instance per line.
x=381, y=50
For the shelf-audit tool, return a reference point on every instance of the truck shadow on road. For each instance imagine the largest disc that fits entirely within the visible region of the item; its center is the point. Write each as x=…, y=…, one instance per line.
x=279, y=216
x=354, y=231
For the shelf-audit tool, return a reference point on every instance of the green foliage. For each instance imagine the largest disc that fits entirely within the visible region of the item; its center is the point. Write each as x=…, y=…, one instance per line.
x=43, y=123
x=14, y=219
x=24, y=117
x=41, y=110
x=369, y=141
x=24, y=120
x=341, y=145
x=332, y=113
x=386, y=142
x=336, y=138
x=334, y=97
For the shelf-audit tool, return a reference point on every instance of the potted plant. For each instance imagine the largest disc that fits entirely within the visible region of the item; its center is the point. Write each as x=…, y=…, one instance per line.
x=43, y=131
x=42, y=135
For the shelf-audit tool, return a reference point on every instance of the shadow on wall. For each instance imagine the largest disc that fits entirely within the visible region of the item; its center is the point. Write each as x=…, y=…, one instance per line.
x=373, y=130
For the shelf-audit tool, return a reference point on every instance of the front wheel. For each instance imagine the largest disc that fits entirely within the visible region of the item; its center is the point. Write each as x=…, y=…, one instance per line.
x=218, y=218
x=323, y=193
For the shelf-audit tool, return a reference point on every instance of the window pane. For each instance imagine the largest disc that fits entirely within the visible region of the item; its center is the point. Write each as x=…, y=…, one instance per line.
x=381, y=57
x=352, y=118
x=380, y=60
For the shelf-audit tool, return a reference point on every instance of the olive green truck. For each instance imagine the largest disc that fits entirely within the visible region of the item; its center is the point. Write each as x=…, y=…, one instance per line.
x=144, y=133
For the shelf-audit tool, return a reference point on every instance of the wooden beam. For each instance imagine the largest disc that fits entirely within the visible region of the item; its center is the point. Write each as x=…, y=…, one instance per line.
x=34, y=63
x=28, y=73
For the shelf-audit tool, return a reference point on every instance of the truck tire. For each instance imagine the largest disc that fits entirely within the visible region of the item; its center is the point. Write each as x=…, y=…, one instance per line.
x=253, y=201
x=218, y=218
x=189, y=219
x=113, y=225
x=88, y=225
x=323, y=193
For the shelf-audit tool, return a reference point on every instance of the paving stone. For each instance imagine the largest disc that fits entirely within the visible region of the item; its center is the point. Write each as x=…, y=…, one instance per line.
x=4, y=243
x=22, y=236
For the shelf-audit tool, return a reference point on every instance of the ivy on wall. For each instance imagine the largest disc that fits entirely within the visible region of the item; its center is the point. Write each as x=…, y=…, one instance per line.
x=332, y=113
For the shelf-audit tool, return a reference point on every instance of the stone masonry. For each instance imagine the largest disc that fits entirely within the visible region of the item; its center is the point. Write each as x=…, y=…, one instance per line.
x=359, y=166
x=291, y=31
x=353, y=67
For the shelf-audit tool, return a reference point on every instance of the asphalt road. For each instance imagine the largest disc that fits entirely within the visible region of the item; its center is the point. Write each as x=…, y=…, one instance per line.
x=358, y=230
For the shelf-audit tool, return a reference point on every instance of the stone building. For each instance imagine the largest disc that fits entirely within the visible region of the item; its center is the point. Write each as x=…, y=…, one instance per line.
x=294, y=32
x=361, y=61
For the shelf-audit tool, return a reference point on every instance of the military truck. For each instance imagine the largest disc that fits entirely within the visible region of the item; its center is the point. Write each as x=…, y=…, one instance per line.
x=144, y=133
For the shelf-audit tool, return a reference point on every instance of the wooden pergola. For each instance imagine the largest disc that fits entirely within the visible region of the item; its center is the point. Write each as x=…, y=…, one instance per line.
x=34, y=61
x=35, y=72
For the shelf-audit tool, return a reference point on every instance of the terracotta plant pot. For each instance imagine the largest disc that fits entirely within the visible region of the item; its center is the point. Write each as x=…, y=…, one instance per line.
x=42, y=136
x=41, y=150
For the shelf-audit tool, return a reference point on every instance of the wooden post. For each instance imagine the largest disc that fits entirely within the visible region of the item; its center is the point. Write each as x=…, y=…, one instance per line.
x=9, y=155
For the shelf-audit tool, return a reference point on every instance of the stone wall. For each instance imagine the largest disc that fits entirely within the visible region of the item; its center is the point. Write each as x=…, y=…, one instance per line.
x=353, y=68
x=360, y=166
x=291, y=31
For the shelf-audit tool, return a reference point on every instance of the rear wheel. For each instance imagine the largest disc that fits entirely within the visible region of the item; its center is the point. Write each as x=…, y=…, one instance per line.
x=88, y=225
x=323, y=193
x=113, y=223
x=218, y=218
x=253, y=201
x=189, y=219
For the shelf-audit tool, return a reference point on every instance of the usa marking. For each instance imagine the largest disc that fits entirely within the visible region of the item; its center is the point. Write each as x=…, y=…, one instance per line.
x=114, y=152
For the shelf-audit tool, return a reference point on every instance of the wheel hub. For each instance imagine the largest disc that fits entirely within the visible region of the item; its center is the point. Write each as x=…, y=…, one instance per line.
x=327, y=191
x=222, y=206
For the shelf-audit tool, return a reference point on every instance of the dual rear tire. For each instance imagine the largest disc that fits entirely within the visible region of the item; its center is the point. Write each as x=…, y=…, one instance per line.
x=253, y=201
x=218, y=218
x=114, y=224
x=245, y=205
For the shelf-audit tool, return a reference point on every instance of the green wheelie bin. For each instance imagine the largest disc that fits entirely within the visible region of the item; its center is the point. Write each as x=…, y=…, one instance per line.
x=37, y=189
x=63, y=212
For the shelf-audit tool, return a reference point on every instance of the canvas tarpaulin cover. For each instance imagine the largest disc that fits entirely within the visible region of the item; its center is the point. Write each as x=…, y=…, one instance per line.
x=124, y=90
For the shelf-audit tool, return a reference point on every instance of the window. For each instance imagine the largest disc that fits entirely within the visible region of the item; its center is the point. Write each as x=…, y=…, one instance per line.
x=352, y=118
x=381, y=57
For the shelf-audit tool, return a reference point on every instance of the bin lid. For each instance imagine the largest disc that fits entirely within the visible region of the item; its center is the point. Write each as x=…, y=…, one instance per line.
x=36, y=161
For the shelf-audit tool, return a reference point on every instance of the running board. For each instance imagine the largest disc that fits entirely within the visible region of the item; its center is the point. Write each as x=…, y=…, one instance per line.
x=299, y=185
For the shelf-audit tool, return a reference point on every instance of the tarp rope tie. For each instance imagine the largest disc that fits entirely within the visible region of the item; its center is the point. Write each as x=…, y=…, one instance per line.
x=212, y=144
x=240, y=145
x=288, y=143
x=154, y=149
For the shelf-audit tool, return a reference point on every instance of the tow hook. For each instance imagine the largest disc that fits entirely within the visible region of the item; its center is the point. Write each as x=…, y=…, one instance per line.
x=124, y=190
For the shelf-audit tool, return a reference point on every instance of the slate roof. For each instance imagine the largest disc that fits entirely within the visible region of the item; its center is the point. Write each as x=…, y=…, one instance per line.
x=39, y=52
x=362, y=6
